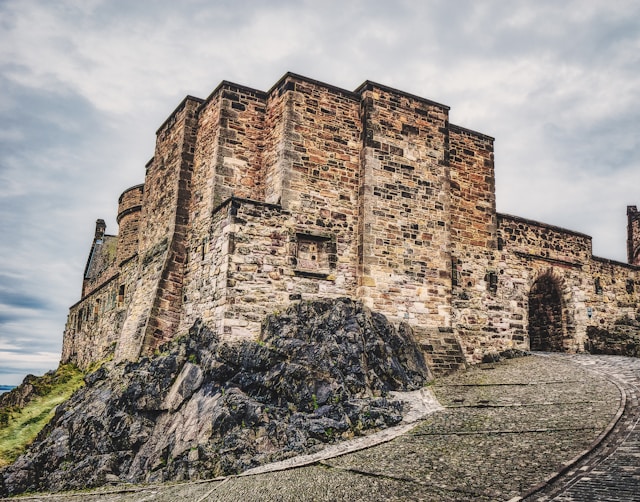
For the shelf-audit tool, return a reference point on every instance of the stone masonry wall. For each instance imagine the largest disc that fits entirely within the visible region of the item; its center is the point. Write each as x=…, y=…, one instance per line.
x=633, y=235
x=548, y=242
x=321, y=174
x=238, y=167
x=404, y=253
x=472, y=184
x=167, y=307
x=593, y=291
x=611, y=292
x=154, y=313
x=518, y=275
x=276, y=145
x=94, y=324
x=101, y=263
x=129, y=218
x=205, y=282
x=254, y=200
x=266, y=272
x=478, y=309
x=227, y=162
x=206, y=157
x=530, y=250
x=319, y=129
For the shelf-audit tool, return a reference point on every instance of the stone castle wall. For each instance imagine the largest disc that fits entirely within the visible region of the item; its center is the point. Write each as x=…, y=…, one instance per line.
x=155, y=310
x=129, y=220
x=255, y=199
x=405, y=207
x=94, y=324
x=633, y=235
x=477, y=310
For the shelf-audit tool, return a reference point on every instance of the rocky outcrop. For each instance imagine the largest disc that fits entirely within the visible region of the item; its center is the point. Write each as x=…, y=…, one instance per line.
x=622, y=338
x=33, y=387
x=21, y=395
x=320, y=373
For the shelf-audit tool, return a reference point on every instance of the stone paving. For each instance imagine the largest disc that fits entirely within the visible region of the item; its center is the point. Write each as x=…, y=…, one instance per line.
x=523, y=428
x=610, y=472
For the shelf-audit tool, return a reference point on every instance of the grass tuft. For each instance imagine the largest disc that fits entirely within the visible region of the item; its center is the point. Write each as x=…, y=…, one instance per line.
x=19, y=427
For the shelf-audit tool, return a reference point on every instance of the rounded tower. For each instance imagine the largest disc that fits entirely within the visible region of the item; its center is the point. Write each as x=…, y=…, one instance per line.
x=129, y=211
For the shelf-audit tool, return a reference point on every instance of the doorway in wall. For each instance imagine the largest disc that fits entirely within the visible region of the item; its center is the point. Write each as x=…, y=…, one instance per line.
x=547, y=326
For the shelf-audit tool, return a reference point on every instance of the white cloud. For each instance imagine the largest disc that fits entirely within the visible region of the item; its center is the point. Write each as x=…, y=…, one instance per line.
x=84, y=86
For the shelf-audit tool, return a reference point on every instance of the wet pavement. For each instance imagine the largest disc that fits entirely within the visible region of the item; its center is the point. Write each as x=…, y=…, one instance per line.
x=544, y=427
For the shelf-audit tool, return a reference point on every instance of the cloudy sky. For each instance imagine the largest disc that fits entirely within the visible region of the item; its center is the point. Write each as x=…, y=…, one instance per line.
x=84, y=84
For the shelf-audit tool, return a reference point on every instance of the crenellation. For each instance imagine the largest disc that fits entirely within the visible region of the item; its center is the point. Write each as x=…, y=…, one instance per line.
x=254, y=200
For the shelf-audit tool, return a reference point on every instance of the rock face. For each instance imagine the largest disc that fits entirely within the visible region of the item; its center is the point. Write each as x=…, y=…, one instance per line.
x=202, y=408
x=21, y=395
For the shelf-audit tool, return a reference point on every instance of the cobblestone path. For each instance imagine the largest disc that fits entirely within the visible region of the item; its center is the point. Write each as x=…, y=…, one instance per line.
x=611, y=472
x=506, y=427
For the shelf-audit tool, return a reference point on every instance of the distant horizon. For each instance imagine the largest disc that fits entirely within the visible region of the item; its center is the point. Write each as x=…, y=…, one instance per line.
x=13, y=379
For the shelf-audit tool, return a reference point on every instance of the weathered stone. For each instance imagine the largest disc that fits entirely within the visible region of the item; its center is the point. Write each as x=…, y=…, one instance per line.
x=202, y=407
x=622, y=338
x=254, y=200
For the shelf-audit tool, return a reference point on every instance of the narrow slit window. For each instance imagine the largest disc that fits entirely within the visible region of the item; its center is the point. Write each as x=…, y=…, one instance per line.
x=598, y=286
x=121, y=295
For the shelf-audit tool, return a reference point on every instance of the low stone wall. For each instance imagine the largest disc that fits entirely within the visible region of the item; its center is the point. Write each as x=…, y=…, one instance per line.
x=622, y=338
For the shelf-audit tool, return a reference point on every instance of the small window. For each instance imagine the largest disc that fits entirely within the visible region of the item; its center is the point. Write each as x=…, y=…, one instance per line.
x=598, y=286
x=121, y=295
x=455, y=274
x=79, y=320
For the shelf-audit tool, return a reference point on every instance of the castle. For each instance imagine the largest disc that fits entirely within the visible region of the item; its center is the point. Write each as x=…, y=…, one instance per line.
x=254, y=200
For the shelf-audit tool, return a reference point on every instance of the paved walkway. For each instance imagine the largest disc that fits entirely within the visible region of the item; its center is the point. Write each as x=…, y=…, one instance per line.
x=611, y=472
x=521, y=428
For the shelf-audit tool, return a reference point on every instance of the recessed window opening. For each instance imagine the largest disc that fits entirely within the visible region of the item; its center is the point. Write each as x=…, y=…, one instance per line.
x=315, y=255
x=598, y=286
x=121, y=291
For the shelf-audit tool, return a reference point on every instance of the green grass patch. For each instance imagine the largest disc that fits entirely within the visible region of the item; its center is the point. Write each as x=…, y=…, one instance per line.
x=21, y=426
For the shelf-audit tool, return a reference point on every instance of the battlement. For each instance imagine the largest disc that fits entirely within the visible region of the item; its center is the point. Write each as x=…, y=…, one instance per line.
x=255, y=199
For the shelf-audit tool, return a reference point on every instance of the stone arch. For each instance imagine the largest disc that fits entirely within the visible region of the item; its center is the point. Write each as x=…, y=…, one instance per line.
x=549, y=324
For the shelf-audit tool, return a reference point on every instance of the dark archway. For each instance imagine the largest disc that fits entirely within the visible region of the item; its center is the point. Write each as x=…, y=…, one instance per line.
x=546, y=323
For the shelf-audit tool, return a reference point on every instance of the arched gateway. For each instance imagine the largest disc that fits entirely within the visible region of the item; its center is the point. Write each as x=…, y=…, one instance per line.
x=547, y=324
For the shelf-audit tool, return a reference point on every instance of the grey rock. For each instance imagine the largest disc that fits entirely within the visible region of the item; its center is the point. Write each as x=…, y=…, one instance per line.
x=320, y=373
